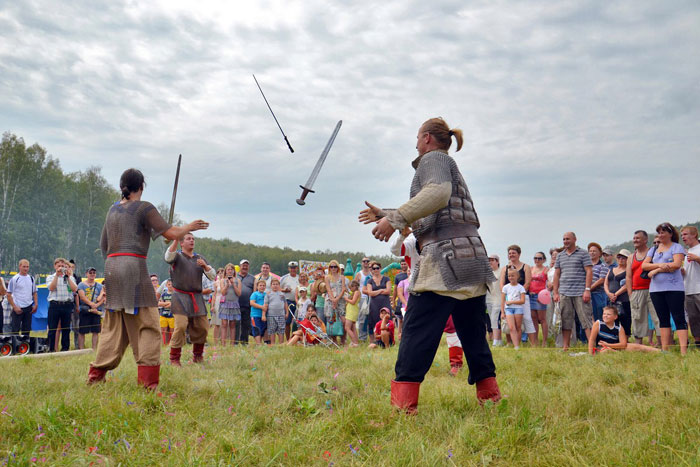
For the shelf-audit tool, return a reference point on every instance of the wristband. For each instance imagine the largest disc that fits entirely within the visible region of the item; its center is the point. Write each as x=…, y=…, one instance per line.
x=588, y=289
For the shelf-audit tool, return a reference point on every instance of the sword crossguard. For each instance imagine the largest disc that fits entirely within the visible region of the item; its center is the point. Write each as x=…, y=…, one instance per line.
x=305, y=192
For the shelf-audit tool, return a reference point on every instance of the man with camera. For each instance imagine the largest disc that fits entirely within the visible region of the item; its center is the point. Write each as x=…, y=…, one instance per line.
x=61, y=287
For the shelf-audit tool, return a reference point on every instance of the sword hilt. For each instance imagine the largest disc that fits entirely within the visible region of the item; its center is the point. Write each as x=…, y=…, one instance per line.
x=305, y=192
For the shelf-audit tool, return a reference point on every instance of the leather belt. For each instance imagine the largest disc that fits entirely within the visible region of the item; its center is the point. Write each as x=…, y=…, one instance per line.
x=447, y=232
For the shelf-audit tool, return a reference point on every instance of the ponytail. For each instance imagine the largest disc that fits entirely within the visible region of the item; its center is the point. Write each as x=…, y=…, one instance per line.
x=438, y=129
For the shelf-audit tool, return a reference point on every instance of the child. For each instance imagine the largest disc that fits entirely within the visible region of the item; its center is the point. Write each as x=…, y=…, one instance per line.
x=383, y=330
x=167, y=322
x=275, y=312
x=352, y=312
x=611, y=336
x=512, y=306
x=257, y=302
x=308, y=329
x=303, y=303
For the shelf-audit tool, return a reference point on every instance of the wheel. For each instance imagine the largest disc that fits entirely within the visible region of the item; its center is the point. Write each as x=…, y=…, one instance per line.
x=6, y=350
x=23, y=349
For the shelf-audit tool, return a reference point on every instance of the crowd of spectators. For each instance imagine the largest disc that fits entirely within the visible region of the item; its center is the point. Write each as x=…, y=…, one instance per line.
x=555, y=301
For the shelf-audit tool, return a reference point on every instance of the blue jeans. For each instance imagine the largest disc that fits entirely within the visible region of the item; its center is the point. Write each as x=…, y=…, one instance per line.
x=598, y=302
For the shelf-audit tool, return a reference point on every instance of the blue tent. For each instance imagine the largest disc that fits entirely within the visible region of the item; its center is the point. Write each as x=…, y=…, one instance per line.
x=40, y=319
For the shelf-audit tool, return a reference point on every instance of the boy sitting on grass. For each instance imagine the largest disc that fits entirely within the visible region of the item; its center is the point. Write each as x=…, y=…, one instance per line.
x=611, y=336
x=383, y=330
x=308, y=328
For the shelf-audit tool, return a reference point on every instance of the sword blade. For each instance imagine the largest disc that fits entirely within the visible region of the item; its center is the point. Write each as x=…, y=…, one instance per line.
x=273, y=114
x=322, y=158
x=171, y=214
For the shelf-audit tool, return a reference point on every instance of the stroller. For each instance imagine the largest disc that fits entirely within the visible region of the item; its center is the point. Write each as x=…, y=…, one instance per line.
x=321, y=336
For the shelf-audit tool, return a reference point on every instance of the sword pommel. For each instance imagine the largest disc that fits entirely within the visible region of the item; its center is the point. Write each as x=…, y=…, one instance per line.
x=305, y=192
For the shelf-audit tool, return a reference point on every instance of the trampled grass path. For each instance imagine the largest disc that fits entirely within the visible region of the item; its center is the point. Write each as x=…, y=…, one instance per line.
x=312, y=406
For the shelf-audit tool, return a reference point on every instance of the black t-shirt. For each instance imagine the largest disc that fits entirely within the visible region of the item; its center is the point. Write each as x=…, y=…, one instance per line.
x=399, y=277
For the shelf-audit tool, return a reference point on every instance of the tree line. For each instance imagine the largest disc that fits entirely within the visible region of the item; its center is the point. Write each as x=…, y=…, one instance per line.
x=46, y=213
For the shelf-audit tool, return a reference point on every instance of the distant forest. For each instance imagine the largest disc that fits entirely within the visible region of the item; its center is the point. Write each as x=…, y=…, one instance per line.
x=46, y=213
x=652, y=232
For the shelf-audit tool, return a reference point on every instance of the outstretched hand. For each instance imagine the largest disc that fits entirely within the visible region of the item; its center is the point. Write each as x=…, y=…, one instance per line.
x=383, y=231
x=199, y=224
x=371, y=214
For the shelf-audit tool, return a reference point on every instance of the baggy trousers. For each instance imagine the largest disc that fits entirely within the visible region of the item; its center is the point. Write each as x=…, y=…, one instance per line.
x=120, y=329
x=198, y=326
x=423, y=325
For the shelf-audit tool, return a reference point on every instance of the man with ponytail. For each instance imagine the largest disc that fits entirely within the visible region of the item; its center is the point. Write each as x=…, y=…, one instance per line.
x=132, y=308
x=452, y=273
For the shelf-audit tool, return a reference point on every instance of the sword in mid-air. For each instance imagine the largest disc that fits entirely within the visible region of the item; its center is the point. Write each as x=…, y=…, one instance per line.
x=322, y=158
x=171, y=214
x=273, y=114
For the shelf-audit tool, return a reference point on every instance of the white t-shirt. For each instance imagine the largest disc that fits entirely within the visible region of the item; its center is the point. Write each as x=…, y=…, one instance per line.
x=513, y=293
x=291, y=283
x=302, y=307
x=692, y=273
x=494, y=295
x=22, y=289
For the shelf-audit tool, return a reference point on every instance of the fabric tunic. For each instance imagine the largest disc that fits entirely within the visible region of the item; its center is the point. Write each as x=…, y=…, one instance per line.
x=186, y=275
x=129, y=228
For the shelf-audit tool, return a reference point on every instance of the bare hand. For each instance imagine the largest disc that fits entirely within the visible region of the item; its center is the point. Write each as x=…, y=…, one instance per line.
x=406, y=231
x=383, y=231
x=202, y=263
x=371, y=214
x=199, y=224
x=264, y=318
x=612, y=297
x=586, y=296
x=16, y=309
x=556, y=297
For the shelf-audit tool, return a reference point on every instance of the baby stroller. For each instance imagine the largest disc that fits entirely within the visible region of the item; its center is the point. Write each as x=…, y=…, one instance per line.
x=321, y=336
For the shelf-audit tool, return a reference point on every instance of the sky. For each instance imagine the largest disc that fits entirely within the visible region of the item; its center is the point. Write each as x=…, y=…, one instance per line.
x=578, y=116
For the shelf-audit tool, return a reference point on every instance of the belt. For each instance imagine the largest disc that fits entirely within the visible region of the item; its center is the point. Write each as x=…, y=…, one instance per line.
x=126, y=254
x=62, y=303
x=191, y=294
x=446, y=233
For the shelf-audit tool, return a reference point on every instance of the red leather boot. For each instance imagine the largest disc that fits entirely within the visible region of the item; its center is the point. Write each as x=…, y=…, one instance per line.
x=404, y=396
x=456, y=361
x=487, y=390
x=148, y=376
x=197, y=353
x=175, y=356
x=95, y=375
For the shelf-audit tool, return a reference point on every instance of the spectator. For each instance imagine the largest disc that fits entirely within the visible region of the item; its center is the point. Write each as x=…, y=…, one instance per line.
x=155, y=283
x=617, y=292
x=609, y=258
x=600, y=270
x=91, y=300
x=667, y=290
x=493, y=301
x=23, y=299
x=383, y=330
x=607, y=335
x=230, y=309
x=75, y=316
x=215, y=319
x=288, y=285
x=362, y=276
x=352, y=310
x=691, y=279
x=302, y=303
x=318, y=293
x=207, y=291
x=167, y=321
x=378, y=288
x=641, y=306
x=303, y=282
x=513, y=297
x=265, y=275
x=404, y=245
x=572, y=287
x=257, y=302
x=61, y=287
x=335, y=300
x=558, y=339
x=308, y=329
x=247, y=288
x=524, y=279
x=395, y=302
x=275, y=311
x=538, y=284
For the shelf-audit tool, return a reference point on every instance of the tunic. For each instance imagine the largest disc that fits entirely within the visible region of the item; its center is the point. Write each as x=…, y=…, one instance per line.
x=129, y=228
x=186, y=275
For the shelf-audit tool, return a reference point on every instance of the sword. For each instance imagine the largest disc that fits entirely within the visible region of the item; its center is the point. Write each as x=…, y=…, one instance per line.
x=322, y=158
x=273, y=114
x=171, y=214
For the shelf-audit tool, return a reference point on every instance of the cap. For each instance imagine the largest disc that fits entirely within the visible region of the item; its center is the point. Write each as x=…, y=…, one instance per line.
x=72, y=261
x=293, y=264
x=624, y=252
x=607, y=251
x=244, y=261
x=495, y=257
x=302, y=289
x=91, y=269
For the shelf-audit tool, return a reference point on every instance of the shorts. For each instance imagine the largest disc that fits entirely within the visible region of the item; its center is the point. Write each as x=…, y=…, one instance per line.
x=380, y=343
x=494, y=311
x=167, y=322
x=535, y=302
x=90, y=323
x=514, y=311
x=275, y=325
x=571, y=305
x=259, y=327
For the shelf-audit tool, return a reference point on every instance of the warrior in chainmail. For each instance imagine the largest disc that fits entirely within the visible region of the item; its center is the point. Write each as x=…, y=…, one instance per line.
x=132, y=308
x=187, y=305
x=452, y=272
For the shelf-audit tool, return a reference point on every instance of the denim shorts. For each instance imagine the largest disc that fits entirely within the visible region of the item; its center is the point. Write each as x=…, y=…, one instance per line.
x=535, y=303
x=515, y=311
x=259, y=327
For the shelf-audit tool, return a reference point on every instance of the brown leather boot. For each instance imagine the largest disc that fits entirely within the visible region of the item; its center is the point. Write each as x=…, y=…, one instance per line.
x=148, y=376
x=455, y=360
x=487, y=390
x=96, y=375
x=197, y=353
x=175, y=356
x=404, y=396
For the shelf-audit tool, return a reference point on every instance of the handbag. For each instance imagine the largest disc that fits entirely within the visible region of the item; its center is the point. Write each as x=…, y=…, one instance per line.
x=336, y=327
x=645, y=274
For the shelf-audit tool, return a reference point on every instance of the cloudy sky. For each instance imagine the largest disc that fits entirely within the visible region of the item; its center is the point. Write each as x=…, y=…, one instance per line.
x=577, y=115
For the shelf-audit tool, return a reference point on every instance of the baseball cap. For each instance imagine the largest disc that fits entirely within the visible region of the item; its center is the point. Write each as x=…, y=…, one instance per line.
x=495, y=257
x=244, y=261
x=91, y=269
x=607, y=251
x=624, y=252
x=293, y=264
x=302, y=289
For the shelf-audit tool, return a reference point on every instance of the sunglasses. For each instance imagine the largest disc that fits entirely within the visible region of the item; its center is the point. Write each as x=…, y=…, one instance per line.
x=333, y=267
x=365, y=261
x=376, y=268
x=538, y=258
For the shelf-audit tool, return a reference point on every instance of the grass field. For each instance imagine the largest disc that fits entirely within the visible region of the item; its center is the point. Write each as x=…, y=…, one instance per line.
x=297, y=406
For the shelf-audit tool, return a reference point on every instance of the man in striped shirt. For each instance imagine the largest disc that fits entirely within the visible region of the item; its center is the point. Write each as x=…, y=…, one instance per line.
x=572, y=287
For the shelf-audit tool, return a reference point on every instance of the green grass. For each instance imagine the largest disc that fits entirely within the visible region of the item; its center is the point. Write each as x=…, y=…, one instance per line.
x=297, y=406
